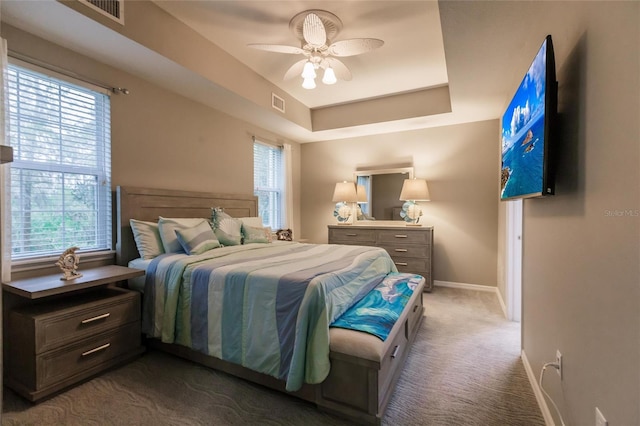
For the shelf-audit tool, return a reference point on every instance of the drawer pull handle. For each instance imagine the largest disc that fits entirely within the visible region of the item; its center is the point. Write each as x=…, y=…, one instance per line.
x=401, y=250
x=415, y=308
x=99, y=317
x=401, y=263
x=395, y=351
x=351, y=235
x=94, y=350
x=400, y=236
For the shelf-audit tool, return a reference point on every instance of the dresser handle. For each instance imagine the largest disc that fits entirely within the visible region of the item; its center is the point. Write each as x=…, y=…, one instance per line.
x=395, y=351
x=351, y=235
x=400, y=236
x=415, y=308
x=99, y=348
x=99, y=317
x=401, y=250
x=401, y=263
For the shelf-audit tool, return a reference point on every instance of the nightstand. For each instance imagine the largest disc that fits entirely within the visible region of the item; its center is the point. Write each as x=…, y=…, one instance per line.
x=68, y=331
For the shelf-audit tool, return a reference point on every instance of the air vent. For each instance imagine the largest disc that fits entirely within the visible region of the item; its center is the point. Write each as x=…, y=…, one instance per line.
x=114, y=9
x=277, y=102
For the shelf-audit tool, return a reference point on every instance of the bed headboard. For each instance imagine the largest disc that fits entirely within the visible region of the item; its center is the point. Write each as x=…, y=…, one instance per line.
x=149, y=203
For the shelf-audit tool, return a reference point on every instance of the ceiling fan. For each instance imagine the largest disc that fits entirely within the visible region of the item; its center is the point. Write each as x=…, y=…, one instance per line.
x=316, y=30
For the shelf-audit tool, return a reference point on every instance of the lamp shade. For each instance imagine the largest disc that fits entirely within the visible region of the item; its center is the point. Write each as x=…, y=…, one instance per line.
x=362, y=194
x=414, y=190
x=345, y=191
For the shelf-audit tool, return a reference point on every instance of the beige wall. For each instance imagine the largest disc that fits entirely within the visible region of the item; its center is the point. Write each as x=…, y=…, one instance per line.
x=161, y=139
x=581, y=274
x=460, y=164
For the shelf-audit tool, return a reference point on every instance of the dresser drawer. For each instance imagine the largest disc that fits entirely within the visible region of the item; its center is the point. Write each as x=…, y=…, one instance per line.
x=404, y=236
x=352, y=235
x=410, y=265
x=76, y=318
x=55, y=366
x=420, y=251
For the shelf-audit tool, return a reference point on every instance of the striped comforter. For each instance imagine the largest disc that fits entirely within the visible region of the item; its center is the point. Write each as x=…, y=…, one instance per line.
x=267, y=307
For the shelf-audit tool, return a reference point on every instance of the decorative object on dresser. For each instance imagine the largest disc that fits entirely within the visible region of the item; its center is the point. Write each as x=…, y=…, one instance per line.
x=68, y=263
x=410, y=248
x=344, y=195
x=63, y=332
x=413, y=190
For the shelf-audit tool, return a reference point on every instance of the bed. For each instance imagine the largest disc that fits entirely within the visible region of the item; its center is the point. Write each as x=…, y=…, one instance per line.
x=342, y=370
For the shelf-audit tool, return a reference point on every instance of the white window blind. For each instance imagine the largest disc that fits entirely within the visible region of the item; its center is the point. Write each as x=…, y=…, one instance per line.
x=268, y=183
x=61, y=174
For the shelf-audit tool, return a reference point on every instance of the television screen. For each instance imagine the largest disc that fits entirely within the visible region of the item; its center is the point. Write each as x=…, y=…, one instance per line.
x=526, y=126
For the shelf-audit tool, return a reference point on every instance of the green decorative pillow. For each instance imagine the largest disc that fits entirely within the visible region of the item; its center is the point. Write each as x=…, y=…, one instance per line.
x=227, y=229
x=198, y=239
x=252, y=234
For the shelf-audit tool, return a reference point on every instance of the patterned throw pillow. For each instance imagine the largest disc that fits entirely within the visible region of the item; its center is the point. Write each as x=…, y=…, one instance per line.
x=252, y=234
x=227, y=229
x=198, y=239
x=147, y=238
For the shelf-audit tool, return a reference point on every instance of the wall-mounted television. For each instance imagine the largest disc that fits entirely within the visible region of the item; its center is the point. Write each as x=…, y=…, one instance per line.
x=528, y=131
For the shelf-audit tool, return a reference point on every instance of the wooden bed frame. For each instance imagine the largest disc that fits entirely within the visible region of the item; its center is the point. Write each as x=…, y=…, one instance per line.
x=364, y=369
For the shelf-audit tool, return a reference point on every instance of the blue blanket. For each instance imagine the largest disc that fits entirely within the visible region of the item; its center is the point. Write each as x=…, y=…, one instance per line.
x=378, y=311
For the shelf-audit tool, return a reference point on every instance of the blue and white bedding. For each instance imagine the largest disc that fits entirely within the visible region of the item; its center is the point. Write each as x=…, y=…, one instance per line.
x=267, y=307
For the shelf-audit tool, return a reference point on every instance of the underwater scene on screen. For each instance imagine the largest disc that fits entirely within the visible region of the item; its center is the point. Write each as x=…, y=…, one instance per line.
x=522, y=163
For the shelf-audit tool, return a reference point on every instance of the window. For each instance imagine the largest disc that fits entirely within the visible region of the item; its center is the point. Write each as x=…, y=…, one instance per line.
x=61, y=174
x=268, y=183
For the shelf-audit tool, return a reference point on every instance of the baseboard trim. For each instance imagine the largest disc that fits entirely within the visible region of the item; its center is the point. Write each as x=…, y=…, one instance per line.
x=502, y=304
x=542, y=402
x=465, y=286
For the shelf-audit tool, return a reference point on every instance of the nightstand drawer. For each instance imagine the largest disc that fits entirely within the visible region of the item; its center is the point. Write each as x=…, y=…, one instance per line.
x=403, y=236
x=352, y=235
x=55, y=366
x=420, y=251
x=77, y=317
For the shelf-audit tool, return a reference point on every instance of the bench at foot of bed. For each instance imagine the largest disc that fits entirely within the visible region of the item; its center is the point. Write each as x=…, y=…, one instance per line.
x=364, y=369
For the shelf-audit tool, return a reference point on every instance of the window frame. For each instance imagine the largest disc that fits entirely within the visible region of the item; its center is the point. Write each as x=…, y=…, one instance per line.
x=278, y=187
x=101, y=169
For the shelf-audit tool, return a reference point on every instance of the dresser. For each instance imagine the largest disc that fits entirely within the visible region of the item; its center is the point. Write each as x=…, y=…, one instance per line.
x=67, y=331
x=410, y=247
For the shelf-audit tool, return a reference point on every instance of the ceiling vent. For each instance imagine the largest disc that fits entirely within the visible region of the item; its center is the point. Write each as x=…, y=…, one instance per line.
x=277, y=102
x=114, y=9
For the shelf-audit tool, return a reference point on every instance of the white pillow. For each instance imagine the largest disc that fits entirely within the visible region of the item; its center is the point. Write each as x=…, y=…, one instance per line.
x=147, y=237
x=168, y=227
x=253, y=221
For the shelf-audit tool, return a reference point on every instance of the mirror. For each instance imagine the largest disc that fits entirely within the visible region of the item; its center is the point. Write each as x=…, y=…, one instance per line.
x=382, y=188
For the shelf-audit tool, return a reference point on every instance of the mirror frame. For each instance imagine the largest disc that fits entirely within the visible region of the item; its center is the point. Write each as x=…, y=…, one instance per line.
x=369, y=172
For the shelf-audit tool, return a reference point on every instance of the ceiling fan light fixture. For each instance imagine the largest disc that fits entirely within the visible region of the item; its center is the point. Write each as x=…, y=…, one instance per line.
x=309, y=83
x=329, y=76
x=308, y=71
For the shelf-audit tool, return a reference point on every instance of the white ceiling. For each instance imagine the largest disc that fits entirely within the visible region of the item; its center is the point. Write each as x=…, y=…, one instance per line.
x=469, y=46
x=412, y=57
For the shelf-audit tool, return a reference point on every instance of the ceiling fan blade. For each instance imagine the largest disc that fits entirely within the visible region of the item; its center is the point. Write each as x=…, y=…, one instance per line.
x=340, y=69
x=295, y=70
x=354, y=46
x=278, y=48
x=313, y=31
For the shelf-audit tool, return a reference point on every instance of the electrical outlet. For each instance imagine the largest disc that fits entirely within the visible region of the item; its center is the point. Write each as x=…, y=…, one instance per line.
x=600, y=420
x=559, y=362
